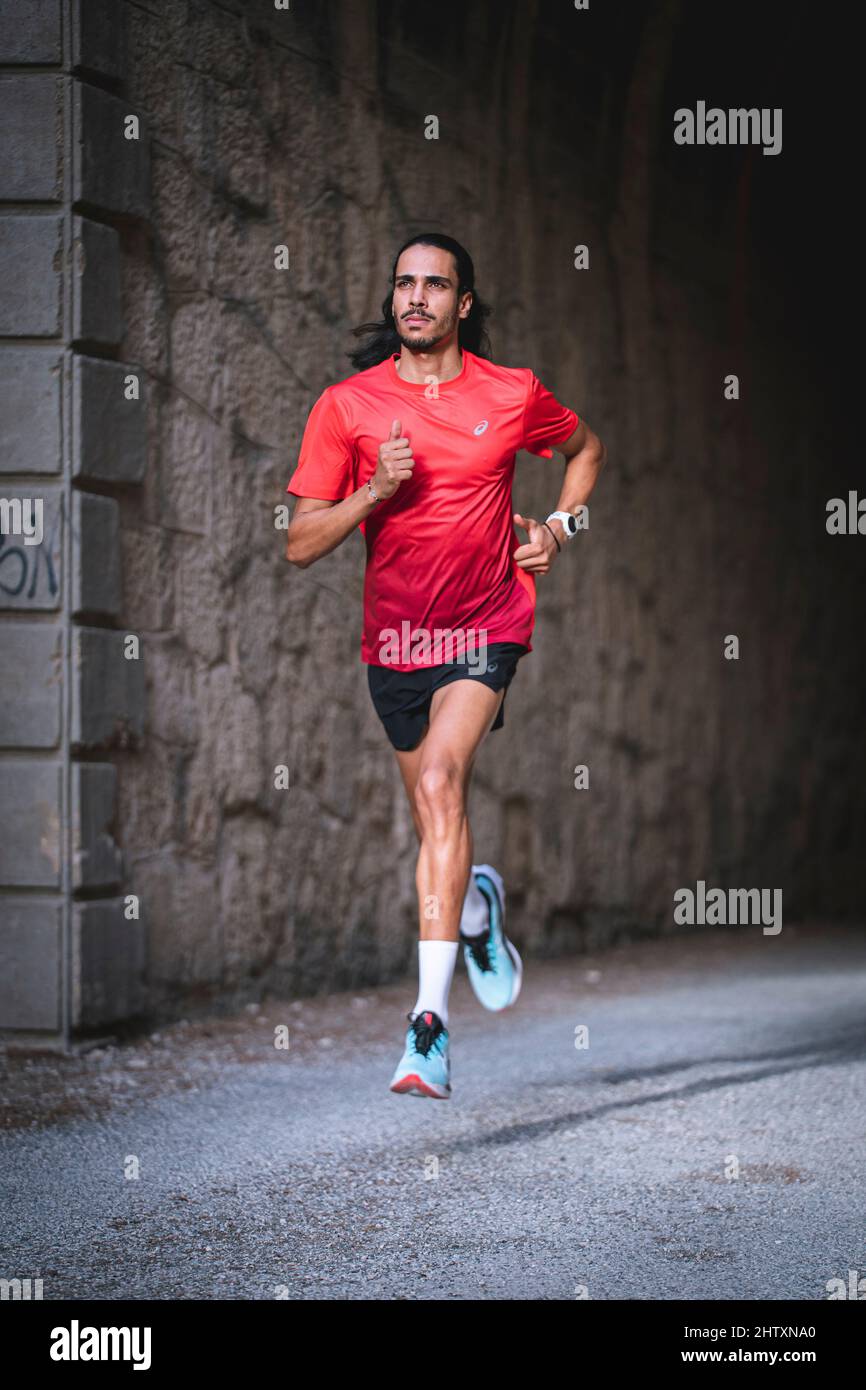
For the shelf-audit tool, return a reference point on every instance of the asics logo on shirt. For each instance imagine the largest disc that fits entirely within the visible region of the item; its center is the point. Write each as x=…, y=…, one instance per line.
x=481, y=426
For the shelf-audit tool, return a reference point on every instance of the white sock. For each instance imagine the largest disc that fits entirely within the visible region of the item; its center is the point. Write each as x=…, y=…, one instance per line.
x=476, y=910
x=436, y=961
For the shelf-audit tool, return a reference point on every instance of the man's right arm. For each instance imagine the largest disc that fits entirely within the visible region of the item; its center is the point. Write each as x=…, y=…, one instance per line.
x=318, y=526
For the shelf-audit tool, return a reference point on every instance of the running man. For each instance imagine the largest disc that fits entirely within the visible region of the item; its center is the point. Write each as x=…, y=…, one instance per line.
x=418, y=449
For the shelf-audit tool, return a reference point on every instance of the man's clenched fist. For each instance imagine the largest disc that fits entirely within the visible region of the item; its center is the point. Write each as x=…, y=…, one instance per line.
x=395, y=463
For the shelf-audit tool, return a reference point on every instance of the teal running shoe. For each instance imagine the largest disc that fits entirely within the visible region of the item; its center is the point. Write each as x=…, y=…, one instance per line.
x=425, y=1067
x=494, y=965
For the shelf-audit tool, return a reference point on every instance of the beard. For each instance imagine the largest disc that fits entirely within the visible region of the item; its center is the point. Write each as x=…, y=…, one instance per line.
x=427, y=343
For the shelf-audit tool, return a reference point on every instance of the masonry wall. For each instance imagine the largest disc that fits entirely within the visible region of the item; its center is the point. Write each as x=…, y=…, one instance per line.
x=72, y=433
x=304, y=128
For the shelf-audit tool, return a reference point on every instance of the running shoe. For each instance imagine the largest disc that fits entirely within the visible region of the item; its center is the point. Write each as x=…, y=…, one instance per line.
x=494, y=965
x=425, y=1067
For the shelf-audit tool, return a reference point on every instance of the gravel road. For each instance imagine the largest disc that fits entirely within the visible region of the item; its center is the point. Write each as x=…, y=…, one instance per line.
x=707, y=1143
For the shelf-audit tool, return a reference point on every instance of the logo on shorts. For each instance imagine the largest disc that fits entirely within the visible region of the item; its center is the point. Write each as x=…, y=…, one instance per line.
x=481, y=426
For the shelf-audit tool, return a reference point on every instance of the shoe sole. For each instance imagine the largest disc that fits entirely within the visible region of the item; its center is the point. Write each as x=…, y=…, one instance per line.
x=518, y=969
x=412, y=1085
x=518, y=981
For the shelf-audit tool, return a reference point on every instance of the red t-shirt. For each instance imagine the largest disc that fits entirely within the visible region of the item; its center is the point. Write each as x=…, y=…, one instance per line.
x=439, y=551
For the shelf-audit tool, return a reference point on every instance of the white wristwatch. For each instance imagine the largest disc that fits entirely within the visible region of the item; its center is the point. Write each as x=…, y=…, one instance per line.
x=568, y=522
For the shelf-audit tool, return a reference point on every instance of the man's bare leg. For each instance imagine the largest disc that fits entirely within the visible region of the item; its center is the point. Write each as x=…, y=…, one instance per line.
x=461, y=714
x=436, y=776
x=409, y=764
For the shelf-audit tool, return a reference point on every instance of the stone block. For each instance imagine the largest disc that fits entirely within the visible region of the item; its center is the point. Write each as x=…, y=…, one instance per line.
x=96, y=585
x=30, y=572
x=110, y=172
x=108, y=963
x=31, y=262
x=30, y=31
x=99, y=37
x=108, y=694
x=30, y=383
x=96, y=860
x=97, y=315
x=31, y=677
x=31, y=125
x=31, y=941
x=109, y=431
x=30, y=809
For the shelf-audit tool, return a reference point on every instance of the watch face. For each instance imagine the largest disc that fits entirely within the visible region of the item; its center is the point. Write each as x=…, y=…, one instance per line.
x=571, y=526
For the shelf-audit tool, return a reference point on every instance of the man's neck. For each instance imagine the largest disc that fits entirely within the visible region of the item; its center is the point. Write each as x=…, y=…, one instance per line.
x=442, y=363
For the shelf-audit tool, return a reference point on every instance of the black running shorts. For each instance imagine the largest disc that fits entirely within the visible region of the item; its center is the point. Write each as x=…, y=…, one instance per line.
x=402, y=698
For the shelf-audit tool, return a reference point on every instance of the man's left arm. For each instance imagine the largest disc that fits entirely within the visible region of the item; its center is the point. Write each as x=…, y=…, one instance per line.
x=585, y=456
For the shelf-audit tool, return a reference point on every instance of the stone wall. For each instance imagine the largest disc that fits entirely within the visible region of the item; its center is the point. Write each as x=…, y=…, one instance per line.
x=305, y=128
x=72, y=436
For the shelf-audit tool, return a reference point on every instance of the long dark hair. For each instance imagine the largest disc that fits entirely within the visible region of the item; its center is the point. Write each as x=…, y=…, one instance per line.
x=382, y=339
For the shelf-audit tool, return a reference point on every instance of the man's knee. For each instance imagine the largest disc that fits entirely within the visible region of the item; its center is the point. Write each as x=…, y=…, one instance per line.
x=439, y=792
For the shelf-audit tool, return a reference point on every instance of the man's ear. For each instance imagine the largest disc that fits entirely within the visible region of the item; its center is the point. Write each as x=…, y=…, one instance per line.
x=463, y=311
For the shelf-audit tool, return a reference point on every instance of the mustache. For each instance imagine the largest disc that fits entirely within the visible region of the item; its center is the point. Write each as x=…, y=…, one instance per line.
x=412, y=315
